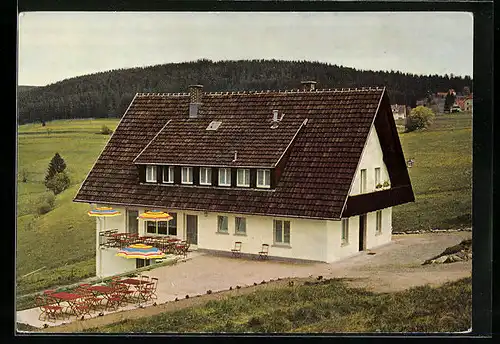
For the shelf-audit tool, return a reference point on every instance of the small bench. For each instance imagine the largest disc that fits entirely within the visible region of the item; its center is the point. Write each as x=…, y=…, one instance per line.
x=236, y=251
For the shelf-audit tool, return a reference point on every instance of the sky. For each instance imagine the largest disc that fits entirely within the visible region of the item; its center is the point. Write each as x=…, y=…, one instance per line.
x=53, y=46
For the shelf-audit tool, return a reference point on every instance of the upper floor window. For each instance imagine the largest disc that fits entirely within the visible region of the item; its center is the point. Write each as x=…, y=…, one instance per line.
x=151, y=174
x=224, y=177
x=187, y=175
x=243, y=177
x=168, y=174
x=377, y=176
x=205, y=176
x=363, y=181
x=263, y=178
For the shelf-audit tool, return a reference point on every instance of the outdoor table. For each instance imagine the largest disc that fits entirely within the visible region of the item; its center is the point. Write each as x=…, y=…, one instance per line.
x=132, y=281
x=70, y=298
x=102, y=289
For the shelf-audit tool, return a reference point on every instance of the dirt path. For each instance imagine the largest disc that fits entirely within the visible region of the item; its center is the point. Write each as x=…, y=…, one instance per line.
x=394, y=267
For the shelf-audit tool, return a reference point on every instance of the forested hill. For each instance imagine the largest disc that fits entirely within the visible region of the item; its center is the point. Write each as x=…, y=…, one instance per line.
x=109, y=93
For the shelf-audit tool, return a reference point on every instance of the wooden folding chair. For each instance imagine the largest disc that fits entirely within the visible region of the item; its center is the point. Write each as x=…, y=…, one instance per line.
x=236, y=251
x=263, y=254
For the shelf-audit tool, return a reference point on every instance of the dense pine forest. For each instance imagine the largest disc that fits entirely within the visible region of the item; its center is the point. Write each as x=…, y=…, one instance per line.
x=107, y=94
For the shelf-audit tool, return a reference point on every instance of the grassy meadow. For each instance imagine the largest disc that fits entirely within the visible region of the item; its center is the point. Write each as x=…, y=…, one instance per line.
x=61, y=242
x=441, y=175
x=326, y=307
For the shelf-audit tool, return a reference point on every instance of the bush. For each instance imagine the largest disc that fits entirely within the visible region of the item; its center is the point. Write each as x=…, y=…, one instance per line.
x=58, y=183
x=420, y=117
x=105, y=130
x=46, y=203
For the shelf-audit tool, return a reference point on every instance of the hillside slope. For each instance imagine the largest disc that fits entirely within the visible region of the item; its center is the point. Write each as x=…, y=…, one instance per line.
x=109, y=93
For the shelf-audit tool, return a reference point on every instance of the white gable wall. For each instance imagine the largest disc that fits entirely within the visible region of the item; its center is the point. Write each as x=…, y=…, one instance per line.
x=371, y=158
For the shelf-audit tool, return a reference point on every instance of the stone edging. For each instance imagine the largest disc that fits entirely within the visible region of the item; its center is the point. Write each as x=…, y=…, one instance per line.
x=434, y=231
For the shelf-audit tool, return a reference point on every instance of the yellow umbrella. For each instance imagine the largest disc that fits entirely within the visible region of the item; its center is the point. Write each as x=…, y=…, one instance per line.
x=141, y=251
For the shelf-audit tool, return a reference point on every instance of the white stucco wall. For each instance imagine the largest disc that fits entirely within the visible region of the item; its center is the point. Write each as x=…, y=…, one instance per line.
x=371, y=158
x=372, y=239
x=111, y=264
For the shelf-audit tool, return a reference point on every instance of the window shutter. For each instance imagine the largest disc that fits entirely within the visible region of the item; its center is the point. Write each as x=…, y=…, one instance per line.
x=159, y=174
x=233, y=176
x=253, y=178
x=215, y=176
x=142, y=173
x=196, y=175
x=177, y=174
x=272, y=178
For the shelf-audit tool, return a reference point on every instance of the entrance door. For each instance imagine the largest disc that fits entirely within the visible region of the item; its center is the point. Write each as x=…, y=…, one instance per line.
x=192, y=229
x=132, y=221
x=362, y=232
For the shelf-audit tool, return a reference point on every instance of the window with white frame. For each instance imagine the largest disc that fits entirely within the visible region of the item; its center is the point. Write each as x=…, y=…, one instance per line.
x=345, y=231
x=263, y=178
x=168, y=174
x=222, y=222
x=224, y=177
x=363, y=181
x=243, y=177
x=240, y=225
x=162, y=227
x=187, y=175
x=378, y=223
x=205, y=176
x=281, y=232
x=151, y=174
x=377, y=176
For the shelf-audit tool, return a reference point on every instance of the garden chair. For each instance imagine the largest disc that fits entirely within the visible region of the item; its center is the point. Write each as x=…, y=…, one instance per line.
x=147, y=291
x=82, y=308
x=263, y=254
x=48, y=311
x=236, y=251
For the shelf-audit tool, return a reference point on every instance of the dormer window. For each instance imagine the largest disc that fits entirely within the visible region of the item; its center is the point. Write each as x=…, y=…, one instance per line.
x=224, y=177
x=151, y=174
x=168, y=174
x=205, y=176
x=263, y=178
x=243, y=177
x=187, y=175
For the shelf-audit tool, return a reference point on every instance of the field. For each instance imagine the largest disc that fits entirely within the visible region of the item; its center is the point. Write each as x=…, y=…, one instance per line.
x=326, y=307
x=441, y=176
x=61, y=242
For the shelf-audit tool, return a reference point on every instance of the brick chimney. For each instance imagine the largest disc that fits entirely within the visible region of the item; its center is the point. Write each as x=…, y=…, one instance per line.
x=309, y=85
x=195, y=97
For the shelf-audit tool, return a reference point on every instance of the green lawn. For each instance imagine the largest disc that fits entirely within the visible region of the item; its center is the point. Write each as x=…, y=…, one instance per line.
x=61, y=241
x=327, y=307
x=441, y=176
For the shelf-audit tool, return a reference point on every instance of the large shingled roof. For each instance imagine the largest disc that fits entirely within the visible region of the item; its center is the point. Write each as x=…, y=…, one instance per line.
x=315, y=181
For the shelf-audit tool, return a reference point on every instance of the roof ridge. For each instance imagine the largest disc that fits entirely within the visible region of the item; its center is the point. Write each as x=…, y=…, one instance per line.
x=292, y=90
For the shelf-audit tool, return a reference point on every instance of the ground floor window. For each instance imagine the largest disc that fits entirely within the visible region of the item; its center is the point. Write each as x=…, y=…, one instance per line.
x=378, y=228
x=222, y=224
x=345, y=231
x=240, y=225
x=162, y=227
x=281, y=232
x=140, y=263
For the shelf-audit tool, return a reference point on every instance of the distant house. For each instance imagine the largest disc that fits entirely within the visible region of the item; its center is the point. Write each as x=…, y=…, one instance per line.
x=398, y=111
x=312, y=173
x=468, y=104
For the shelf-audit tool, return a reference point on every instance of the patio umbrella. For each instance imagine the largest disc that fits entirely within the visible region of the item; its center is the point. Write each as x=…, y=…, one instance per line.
x=102, y=212
x=155, y=215
x=140, y=251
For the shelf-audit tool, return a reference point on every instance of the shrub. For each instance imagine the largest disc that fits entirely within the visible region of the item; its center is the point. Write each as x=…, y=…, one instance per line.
x=24, y=176
x=58, y=183
x=420, y=117
x=46, y=203
x=105, y=130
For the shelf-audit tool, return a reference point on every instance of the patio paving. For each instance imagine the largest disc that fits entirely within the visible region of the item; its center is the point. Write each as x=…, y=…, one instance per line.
x=393, y=267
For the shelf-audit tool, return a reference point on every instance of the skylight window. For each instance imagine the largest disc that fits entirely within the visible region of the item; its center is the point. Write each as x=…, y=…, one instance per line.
x=214, y=125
